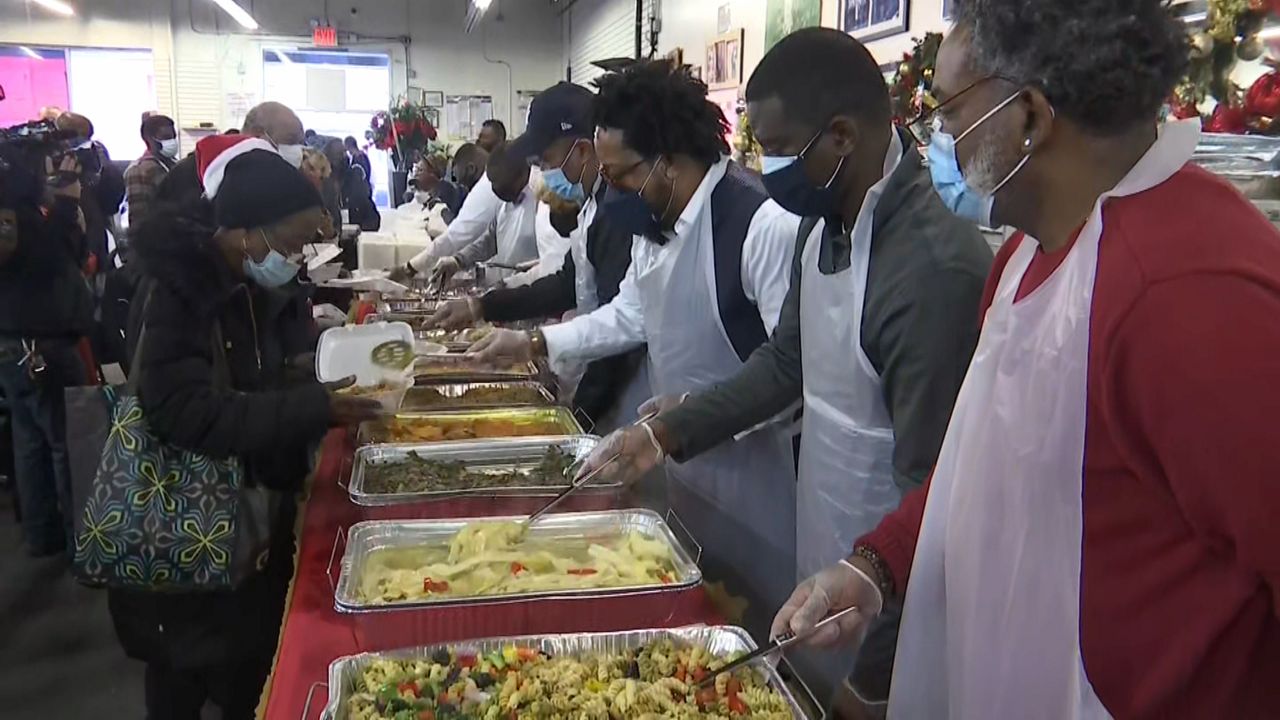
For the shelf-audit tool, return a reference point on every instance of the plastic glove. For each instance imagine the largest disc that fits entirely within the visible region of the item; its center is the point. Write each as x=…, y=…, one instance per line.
x=831, y=590
x=659, y=404
x=456, y=315
x=401, y=274
x=444, y=269
x=637, y=452
x=502, y=348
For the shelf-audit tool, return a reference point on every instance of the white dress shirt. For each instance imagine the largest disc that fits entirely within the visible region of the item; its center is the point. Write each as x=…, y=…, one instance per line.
x=552, y=247
x=619, y=325
x=478, y=213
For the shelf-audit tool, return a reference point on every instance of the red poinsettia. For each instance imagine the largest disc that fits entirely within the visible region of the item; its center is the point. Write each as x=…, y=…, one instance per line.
x=404, y=130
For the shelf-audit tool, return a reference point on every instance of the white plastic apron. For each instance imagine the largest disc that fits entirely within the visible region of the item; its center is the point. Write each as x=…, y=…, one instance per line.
x=846, y=445
x=738, y=498
x=637, y=389
x=584, y=273
x=991, y=627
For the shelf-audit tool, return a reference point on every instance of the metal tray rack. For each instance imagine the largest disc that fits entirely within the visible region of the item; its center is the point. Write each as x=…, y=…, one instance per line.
x=561, y=416
x=503, y=454
x=451, y=394
x=345, y=673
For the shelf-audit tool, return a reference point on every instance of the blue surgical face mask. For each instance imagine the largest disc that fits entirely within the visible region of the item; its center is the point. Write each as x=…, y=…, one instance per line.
x=949, y=181
x=632, y=213
x=558, y=183
x=788, y=185
x=275, y=269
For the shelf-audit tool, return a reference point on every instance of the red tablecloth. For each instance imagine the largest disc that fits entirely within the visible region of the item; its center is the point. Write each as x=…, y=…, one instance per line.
x=314, y=634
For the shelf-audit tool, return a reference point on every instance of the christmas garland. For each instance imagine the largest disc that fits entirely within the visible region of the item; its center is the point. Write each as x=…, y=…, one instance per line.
x=1231, y=34
x=909, y=90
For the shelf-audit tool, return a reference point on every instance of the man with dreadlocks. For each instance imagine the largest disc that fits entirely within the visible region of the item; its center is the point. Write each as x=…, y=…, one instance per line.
x=710, y=260
x=1100, y=533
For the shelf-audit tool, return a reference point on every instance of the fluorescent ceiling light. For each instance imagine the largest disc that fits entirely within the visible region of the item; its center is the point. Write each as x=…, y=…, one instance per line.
x=482, y=5
x=1270, y=32
x=56, y=6
x=30, y=53
x=237, y=13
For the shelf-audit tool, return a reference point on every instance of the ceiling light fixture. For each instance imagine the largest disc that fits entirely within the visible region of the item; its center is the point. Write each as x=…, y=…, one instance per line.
x=56, y=6
x=482, y=5
x=237, y=13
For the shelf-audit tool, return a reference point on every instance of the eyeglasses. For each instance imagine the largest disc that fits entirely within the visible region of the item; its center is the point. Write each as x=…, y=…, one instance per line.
x=612, y=178
x=923, y=125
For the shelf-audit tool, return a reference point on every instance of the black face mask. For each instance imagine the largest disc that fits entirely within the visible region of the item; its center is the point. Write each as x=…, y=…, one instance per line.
x=630, y=211
x=790, y=187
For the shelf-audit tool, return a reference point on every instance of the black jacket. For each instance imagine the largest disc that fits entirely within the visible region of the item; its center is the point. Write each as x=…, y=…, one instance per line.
x=357, y=199
x=263, y=417
x=42, y=291
x=609, y=250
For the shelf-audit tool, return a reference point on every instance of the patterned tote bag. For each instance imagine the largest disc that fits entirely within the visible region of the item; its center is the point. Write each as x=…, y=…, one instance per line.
x=164, y=518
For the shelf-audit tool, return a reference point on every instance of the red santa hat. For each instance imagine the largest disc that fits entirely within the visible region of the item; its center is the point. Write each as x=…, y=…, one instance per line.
x=214, y=153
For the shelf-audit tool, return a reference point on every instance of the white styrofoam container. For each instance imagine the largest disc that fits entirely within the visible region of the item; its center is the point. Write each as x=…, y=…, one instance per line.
x=408, y=246
x=346, y=350
x=375, y=251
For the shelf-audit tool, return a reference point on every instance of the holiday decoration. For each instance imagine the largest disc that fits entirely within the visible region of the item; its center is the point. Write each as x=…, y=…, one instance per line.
x=1231, y=34
x=1227, y=119
x=909, y=91
x=748, y=150
x=405, y=130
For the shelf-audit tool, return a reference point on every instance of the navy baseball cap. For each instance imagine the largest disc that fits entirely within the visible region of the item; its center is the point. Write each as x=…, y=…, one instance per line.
x=562, y=110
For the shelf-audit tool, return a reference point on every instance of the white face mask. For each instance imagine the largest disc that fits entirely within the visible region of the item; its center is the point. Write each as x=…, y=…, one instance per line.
x=291, y=153
x=169, y=148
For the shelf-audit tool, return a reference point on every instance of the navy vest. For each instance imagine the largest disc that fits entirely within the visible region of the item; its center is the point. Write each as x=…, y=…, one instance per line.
x=734, y=203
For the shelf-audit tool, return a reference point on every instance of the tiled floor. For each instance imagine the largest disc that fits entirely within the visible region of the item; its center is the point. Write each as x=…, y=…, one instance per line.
x=58, y=654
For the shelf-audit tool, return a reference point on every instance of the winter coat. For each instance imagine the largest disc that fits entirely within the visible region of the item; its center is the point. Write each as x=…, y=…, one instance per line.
x=263, y=417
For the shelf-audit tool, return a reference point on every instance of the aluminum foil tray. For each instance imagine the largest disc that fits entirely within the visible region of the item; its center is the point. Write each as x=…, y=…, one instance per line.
x=451, y=393
x=366, y=537
x=430, y=371
x=720, y=640
x=503, y=454
x=562, y=417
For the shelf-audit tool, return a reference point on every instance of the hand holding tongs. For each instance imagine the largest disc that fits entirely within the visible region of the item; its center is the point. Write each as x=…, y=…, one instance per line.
x=582, y=480
x=778, y=645
x=567, y=491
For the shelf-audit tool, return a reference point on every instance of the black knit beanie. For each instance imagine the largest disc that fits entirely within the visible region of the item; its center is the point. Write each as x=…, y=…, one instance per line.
x=261, y=188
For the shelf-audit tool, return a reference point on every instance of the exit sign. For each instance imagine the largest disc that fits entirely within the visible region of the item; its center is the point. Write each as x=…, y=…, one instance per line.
x=324, y=36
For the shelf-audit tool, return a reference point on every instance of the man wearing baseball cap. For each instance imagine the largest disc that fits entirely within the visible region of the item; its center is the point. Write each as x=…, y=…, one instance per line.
x=558, y=138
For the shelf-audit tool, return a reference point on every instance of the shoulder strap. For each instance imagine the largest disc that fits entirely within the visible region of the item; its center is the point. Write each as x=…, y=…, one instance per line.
x=734, y=203
x=135, y=366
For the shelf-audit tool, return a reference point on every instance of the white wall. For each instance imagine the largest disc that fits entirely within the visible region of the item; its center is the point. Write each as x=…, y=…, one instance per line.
x=201, y=62
x=690, y=24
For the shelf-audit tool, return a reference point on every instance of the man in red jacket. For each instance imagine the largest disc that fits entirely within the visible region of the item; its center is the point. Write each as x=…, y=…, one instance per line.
x=1100, y=536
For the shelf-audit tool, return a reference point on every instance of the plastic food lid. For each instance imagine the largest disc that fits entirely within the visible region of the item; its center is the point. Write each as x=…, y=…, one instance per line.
x=347, y=350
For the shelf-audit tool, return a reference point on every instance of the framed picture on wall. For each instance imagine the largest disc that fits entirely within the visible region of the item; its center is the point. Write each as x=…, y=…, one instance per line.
x=723, y=68
x=872, y=19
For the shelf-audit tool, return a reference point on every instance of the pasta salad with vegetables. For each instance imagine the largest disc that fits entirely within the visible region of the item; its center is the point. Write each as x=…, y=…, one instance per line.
x=656, y=680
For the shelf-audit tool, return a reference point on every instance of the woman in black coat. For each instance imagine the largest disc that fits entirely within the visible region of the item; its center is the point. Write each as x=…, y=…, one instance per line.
x=228, y=265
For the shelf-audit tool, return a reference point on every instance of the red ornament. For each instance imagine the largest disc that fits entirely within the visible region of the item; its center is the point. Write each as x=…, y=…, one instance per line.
x=1227, y=119
x=1263, y=97
x=1184, y=110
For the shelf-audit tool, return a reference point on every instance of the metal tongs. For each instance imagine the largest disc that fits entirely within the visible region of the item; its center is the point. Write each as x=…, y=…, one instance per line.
x=778, y=645
x=582, y=481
